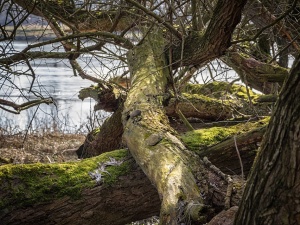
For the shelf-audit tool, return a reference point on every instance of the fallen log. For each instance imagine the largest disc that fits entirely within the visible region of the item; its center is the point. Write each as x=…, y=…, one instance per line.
x=68, y=194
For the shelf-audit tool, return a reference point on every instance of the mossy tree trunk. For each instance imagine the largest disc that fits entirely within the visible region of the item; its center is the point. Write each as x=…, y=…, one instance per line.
x=256, y=74
x=66, y=194
x=149, y=137
x=42, y=194
x=272, y=192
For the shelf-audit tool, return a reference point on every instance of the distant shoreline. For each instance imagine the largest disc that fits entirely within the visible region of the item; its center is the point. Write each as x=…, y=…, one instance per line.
x=32, y=32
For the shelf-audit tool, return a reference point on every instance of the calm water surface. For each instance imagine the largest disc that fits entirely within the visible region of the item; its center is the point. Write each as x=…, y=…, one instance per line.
x=54, y=78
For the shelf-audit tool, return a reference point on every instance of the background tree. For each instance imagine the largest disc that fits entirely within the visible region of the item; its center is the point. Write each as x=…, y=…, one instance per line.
x=165, y=44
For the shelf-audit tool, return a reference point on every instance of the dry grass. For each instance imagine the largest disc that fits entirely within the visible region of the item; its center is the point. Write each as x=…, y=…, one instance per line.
x=46, y=148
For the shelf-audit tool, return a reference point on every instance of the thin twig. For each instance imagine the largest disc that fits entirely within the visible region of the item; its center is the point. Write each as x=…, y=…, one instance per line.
x=239, y=156
x=228, y=192
x=277, y=20
x=30, y=123
x=159, y=19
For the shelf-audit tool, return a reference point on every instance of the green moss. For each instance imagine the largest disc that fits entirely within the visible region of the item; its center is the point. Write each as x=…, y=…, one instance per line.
x=201, y=97
x=241, y=92
x=31, y=183
x=96, y=131
x=89, y=92
x=198, y=139
x=220, y=90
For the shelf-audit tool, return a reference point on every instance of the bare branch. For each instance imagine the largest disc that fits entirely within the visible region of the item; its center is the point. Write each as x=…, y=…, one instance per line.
x=159, y=19
x=275, y=22
x=25, y=54
x=18, y=108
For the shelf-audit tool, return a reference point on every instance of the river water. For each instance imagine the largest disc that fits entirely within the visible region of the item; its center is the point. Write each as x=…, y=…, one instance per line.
x=54, y=78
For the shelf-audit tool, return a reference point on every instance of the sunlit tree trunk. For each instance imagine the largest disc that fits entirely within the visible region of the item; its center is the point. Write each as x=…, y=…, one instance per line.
x=150, y=139
x=272, y=192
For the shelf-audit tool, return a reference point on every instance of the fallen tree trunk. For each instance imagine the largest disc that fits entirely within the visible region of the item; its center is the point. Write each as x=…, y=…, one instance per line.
x=215, y=101
x=72, y=196
x=194, y=105
x=225, y=155
x=152, y=141
x=28, y=198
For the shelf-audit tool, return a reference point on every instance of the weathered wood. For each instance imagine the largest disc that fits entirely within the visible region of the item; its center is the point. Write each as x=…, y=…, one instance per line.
x=166, y=163
x=104, y=139
x=197, y=106
x=258, y=75
x=194, y=104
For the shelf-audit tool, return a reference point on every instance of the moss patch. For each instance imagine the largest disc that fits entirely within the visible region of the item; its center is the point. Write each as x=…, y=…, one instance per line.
x=220, y=90
x=205, y=137
x=197, y=139
x=27, y=184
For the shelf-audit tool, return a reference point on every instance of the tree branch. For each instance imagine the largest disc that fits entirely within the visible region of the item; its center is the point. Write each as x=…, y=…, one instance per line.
x=18, y=108
x=158, y=18
x=109, y=37
x=200, y=48
x=259, y=75
x=273, y=21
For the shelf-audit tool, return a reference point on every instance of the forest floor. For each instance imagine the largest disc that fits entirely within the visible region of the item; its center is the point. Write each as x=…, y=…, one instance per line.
x=44, y=148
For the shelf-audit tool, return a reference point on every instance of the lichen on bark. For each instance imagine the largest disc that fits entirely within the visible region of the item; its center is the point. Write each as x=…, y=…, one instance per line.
x=166, y=163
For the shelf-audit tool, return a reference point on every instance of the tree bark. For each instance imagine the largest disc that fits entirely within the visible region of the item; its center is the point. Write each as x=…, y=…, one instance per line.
x=262, y=17
x=224, y=154
x=77, y=18
x=258, y=75
x=151, y=140
x=272, y=192
x=107, y=139
x=200, y=48
x=130, y=197
x=199, y=106
x=193, y=104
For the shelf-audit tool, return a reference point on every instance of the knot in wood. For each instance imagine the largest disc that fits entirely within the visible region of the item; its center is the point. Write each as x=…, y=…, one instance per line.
x=135, y=113
x=154, y=139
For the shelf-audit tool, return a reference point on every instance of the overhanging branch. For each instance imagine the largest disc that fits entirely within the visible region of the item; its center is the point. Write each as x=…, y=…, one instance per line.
x=18, y=108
